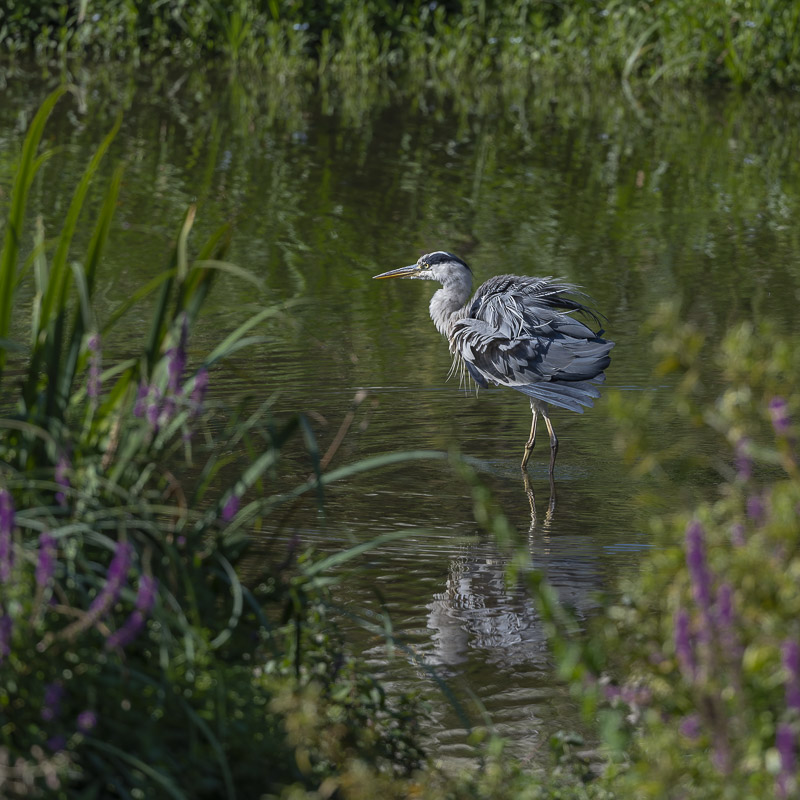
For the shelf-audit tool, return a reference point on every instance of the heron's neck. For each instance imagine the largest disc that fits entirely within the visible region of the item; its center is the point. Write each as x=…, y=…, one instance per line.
x=447, y=306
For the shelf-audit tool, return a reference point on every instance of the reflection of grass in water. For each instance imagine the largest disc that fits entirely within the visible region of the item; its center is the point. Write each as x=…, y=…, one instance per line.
x=680, y=40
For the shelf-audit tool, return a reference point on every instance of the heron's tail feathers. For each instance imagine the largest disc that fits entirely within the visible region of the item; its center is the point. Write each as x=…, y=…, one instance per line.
x=573, y=396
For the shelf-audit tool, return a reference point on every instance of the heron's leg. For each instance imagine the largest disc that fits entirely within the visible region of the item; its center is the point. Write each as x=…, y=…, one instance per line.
x=553, y=440
x=532, y=438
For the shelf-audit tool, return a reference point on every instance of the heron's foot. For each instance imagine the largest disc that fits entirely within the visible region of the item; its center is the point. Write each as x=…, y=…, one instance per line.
x=527, y=454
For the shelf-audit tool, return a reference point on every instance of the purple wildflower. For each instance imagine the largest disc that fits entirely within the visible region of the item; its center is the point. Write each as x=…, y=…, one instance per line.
x=62, y=480
x=725, y=606
x=115, y=577
x=791, y=663
x=737, y=534
x=141, y=398
x=57, y=743
x=230, y=508
x=86, y=721
x=683, y=645
x=46, y=563
x=784, y=743
x=153, y=410
x=779, y=414
x=721, y=754
x=612, y=692
x=690, y=726
x=95, y=356
x=6, y=527
x=145, y=599
x=756, y=508
x=636, y=695
x=199, y=391
x=51, y=705
x=5, y=637
x=726, y=619
x=744, y=463
x=698, y=565
x=167, y=412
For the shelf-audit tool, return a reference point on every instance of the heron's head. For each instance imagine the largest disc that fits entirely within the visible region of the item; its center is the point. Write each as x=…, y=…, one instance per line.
x=437, y=266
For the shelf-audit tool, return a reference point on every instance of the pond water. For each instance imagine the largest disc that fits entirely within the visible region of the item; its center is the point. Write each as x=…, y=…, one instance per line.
x=690, y=198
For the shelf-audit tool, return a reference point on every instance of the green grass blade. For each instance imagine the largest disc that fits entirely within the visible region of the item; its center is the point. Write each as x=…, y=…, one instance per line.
x=142, y=292
x=28, y=164
x=55, y=298
x=154, y=775
x=231, y=269
x=158, y=326
x=224, y=346
x=84, y=280
x=40, y=272
x=343, y=556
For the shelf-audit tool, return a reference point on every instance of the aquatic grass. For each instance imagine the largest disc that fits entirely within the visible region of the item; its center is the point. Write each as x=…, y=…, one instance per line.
x=708, y=626
x=739, y=44
x=121, y=578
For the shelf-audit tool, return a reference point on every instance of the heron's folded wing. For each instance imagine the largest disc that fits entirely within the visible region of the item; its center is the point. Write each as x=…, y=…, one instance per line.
x=553, y=367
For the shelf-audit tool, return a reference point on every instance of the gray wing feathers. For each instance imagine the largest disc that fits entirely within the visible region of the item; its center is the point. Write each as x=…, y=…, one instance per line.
x=519, y=332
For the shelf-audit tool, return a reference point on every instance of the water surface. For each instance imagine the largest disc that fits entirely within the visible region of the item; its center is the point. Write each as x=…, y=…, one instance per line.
x=694, y=201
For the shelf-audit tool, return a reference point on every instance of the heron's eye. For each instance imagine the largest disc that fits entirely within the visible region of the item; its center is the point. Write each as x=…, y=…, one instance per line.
x=425, y=265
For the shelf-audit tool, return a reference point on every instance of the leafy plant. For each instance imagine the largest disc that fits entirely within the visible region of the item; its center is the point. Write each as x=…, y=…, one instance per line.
x=133, y=658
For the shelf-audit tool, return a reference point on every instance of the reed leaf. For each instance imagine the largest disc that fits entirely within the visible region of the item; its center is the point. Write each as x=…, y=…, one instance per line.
x=139, y=295
x=48, y=348
x=85, y=279
x=26, y=170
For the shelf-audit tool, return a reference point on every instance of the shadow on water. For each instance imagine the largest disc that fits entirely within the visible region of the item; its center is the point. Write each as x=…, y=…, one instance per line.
x=699, y=206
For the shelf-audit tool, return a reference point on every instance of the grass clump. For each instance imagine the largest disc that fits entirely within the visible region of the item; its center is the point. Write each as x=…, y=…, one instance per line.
x=133, y=658
x=743, y=43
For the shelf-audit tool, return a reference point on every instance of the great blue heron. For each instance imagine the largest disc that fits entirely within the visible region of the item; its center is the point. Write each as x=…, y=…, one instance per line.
x=519, y=332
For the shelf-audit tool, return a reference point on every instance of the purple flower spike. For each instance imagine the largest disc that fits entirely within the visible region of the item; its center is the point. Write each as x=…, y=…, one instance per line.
x=199, y=391
x=725, y=606
x=690, y=726
x=62, y=468
x=46, y=563
x=698, y=565
x=141, y=399
x=145, y=599
x=6, y=528
x=779, y=414
x=95, y=356
x=737, y=535
x=785, y=745
x=756, y=508
x=87, y=720
x=153, y=410
x=791, y=663
x=51, y=705
x=115, y=577
x=683, y=645
x=5, y=637
x=726, y=619
x=230, y=508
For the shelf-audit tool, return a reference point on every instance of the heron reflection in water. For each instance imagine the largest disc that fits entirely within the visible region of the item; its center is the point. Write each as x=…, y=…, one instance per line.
x=519, y=332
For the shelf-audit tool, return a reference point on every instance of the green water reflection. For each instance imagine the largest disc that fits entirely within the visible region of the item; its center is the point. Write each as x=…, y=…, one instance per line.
x=697, y=200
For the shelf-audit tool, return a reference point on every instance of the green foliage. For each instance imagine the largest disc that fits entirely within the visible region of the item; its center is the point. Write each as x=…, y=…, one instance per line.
x=133, y=658
x=705, y=646
x=744, y=43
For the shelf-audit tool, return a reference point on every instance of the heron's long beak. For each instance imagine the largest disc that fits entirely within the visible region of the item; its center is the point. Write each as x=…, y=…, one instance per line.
x=403, y=272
